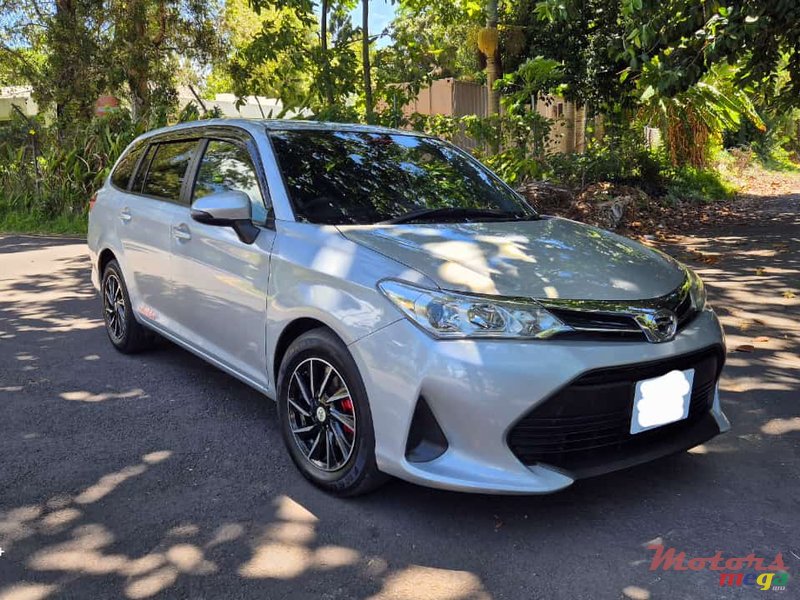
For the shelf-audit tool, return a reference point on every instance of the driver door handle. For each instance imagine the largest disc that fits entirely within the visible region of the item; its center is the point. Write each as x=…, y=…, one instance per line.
x=181, y=232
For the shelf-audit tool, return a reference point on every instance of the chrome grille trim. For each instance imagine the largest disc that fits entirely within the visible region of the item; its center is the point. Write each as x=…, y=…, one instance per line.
x=622, y=318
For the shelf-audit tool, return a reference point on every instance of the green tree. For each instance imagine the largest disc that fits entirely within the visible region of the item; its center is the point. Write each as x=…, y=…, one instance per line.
x=679, y=41
x=56, y=46
x=694, y=119
x=248, y=69
x=429, y=40
x=148, y=36
x=581, y=35
x=96, y=46
x=330, y=62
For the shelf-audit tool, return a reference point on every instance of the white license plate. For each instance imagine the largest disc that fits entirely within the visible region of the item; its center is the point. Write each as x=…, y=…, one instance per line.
x=662, y=400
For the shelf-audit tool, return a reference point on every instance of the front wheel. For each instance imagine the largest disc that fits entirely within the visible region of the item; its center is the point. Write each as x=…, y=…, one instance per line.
x=325, y=418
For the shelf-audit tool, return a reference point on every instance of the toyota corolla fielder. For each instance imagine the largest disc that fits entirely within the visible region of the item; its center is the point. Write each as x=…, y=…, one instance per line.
x=410, y=313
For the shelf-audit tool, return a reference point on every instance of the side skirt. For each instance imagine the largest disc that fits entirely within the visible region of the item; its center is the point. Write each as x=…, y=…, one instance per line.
x=260, y=387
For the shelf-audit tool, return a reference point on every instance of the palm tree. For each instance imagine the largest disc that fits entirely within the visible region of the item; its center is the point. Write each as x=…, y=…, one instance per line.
x=692, y=119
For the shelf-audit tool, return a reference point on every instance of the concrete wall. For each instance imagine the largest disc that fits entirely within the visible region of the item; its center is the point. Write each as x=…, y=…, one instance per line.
x=19, y=97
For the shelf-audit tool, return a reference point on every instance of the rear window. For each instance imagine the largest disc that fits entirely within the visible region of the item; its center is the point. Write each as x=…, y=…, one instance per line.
x=122, y=174
x=167, y=169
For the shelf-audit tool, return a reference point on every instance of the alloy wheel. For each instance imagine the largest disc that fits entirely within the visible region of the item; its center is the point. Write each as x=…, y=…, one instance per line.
x=321, y=414
x=114, y=306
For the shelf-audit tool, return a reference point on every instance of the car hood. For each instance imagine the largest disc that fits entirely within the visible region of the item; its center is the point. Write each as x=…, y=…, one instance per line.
x=547, y=258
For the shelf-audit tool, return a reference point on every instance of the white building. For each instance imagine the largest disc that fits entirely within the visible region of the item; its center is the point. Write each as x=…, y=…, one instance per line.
x=252, y=108
x=19, y=96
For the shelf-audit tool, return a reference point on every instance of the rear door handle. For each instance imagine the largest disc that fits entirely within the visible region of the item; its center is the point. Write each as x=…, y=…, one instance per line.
x=125, y=215
x=181, y=232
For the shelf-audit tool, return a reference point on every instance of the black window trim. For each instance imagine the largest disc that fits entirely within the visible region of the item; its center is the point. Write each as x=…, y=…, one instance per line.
x=134, y=146
x=202, y=134
x=182, y=199
x=143, y=163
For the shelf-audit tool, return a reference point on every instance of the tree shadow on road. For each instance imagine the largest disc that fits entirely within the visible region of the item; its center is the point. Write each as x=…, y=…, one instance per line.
x=156, y=475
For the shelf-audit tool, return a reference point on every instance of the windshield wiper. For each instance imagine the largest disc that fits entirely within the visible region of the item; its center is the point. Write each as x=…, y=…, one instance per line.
x=426, y=214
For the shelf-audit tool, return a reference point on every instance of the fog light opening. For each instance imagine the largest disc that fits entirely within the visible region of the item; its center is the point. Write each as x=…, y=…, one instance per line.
x=426, y=440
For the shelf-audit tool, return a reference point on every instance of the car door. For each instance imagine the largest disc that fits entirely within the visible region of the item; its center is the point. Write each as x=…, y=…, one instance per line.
x=145, y=217
x=220, y=281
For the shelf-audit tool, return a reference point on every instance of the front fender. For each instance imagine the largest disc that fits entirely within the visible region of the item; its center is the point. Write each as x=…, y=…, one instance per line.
x=316, y=273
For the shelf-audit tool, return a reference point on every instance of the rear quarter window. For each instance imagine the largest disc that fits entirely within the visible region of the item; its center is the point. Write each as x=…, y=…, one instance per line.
x=122, y=173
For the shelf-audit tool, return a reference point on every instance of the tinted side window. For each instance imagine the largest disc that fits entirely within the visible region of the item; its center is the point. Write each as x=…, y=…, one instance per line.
x=138, y=179
x=122, y=174
x=227, y=166
x=167, y=170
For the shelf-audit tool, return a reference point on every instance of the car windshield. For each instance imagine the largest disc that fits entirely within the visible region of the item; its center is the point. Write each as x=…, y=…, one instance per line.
x=355, y=177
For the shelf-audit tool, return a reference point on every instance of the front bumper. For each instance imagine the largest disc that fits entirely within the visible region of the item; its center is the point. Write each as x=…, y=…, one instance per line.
x=479, y=390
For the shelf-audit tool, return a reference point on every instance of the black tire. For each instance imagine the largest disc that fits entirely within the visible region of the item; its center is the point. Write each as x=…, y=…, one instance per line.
x=128, y=335
x=359, y=473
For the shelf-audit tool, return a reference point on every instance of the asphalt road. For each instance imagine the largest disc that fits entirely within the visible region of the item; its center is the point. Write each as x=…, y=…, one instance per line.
x=160, y=476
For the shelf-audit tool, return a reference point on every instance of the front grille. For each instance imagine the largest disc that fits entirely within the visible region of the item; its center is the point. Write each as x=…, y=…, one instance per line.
x=587, y=423
x=592, y=319
x=598, y=324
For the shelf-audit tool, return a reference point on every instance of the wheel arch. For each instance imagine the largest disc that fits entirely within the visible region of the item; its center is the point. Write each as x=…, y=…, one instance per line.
x=105, y=257
x=293, y=330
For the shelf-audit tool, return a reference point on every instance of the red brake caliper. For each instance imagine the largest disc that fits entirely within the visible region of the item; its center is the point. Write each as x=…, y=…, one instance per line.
x=347, y=405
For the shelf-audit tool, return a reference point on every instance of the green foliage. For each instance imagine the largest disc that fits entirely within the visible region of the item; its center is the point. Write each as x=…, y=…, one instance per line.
x=693, y=120
x=774, y=144
x=72, y=52
x=533, y=78
x=508, y=143
x=696, y=185
x=679, y=41
x=148, y=37
x=314, y=72
x=581, y=35
x=27, y=222
x=48, y=179
x=513, y=145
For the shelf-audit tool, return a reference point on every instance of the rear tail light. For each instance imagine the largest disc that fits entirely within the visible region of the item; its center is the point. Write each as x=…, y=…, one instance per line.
x=92, y=200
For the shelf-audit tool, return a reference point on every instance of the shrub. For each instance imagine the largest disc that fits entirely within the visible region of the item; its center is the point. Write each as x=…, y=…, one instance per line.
x=48, y=175
x=696, y=185
x=515, y=146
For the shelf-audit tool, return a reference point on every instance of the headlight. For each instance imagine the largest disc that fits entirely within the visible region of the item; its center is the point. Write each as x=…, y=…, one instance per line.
x=697, y=290
x=452, y=315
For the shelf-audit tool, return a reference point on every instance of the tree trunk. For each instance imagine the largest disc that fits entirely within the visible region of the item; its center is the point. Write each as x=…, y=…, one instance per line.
x=65, y=77
x=491, y=62
x=365, y=59
x=323, y=42
x=139, y=69
x=569, y=127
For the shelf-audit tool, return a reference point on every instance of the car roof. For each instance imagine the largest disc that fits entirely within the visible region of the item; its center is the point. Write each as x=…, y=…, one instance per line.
x=258, y=125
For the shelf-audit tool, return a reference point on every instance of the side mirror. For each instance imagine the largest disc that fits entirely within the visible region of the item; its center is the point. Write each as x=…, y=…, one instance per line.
x=230, y=208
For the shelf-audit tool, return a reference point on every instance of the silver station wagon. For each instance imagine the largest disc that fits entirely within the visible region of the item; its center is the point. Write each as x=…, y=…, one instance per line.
x=410, y=313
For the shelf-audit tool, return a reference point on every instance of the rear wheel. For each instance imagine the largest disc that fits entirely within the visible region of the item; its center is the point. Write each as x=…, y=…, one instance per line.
x=125, y=332
x=325, y=418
